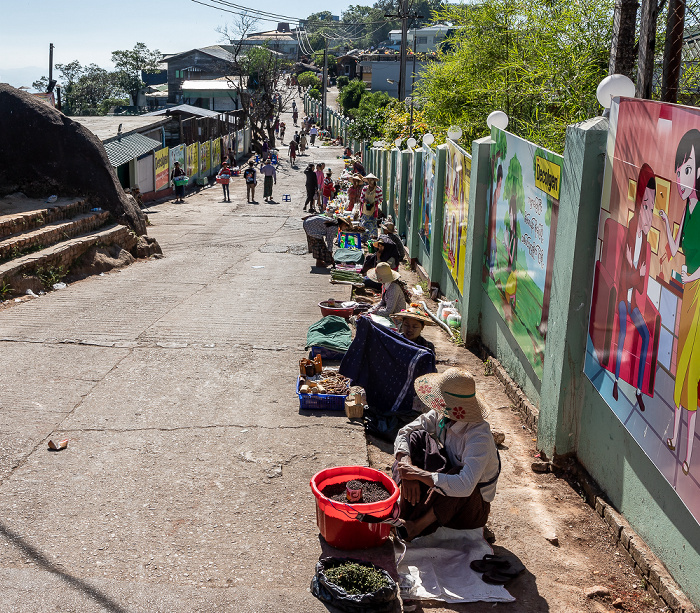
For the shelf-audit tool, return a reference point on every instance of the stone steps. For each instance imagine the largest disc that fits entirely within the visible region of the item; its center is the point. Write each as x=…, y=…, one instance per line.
x=25, y=221
x=62, y=254
x=17, y=245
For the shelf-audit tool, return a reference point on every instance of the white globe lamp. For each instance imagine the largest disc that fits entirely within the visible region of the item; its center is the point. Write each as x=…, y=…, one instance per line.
x=497, y=119
x=411, y=142
x=454, y=132
x=613, y=86
x=428, y=139
x=398, y=142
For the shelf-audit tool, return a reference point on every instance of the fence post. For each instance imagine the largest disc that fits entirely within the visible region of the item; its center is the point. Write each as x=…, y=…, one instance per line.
x=561, y=395
x=436, y=262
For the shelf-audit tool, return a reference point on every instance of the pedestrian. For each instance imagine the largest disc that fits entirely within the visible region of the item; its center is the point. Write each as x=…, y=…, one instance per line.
x=311, y=187
x=179, y=185
x=265, y=149
x=294, y=105
x=283, y=128
x=319, y=180
x=295, y=116
x=313, y=132
x=270, y=174
x=297, y=137
x=251, y=180
x=302, y=143
x=231, y=156
x=223, y=177
x=293, y=152
x=277, y=125
x=370, y=201
x=328, y=188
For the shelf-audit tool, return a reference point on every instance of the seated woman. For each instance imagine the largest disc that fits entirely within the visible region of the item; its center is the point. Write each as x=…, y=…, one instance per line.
x=389, y=229
x=393, y=293
x=385, y=252
x=413, y=319
x=446, y=463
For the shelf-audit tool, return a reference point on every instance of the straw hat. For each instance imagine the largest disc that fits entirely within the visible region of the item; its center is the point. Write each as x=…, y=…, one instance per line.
x=357, y=177
x=452, y=394
x=383, y=273
x=388, y=227
x=414, y=311
x=384, y=239
x=370, y=176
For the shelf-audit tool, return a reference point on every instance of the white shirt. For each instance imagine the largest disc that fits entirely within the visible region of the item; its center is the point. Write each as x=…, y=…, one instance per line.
x=635, y=260
x=468, y=445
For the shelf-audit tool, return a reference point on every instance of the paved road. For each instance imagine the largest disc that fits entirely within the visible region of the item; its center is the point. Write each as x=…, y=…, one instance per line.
x=185, y=483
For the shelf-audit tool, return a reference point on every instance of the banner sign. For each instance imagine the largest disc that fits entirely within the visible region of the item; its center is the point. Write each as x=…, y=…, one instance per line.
x=397, y=183
x=409, y=190
x=162, y=168
x=643, y=351
x=177, y=154
x=192, y=160
x=204, y=158
x=215, y=153
x=426, y=199
x=454, y=224
x=520, y=235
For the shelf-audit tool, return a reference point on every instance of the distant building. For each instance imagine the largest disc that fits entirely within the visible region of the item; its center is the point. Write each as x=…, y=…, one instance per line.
x=206, y=63
x=428, y=39
x=380, y=72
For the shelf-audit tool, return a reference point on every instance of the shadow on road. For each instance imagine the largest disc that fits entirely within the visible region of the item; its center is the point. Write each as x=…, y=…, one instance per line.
x=78, y=584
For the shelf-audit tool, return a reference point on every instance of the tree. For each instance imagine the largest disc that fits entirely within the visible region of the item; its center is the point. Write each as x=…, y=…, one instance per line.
x=351, y=95
x=342, y=81
x=131, y=63
x=309, y=79
x=314, y=94
x=542, y=73
x=41, y=85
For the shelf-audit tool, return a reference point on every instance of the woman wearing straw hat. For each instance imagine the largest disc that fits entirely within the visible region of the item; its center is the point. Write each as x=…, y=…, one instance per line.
x=447, y=463
x=413, y=319
x=370, y=201
x=393, y=295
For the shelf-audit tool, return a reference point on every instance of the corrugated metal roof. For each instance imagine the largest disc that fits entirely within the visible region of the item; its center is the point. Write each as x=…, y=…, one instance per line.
x=126, y=148
x=185, y=108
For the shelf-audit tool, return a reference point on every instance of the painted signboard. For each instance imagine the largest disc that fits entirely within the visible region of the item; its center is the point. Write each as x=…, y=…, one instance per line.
x=520, y=234
x=409, y=190
x=177, y=154
x=643, y=352
x=192, y=160
x=162, y=161
x=426, y=198
x=397, y=183
x=204, y=158
x=454, y=224
x=215, y=153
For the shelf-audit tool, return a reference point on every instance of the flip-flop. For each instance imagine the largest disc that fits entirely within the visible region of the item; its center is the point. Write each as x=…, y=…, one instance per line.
x=488, y=562
x=500, y=576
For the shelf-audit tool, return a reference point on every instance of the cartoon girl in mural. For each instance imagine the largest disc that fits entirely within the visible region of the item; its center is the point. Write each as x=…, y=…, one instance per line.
x=685, y=393
x=512, y=250
x=633, y=275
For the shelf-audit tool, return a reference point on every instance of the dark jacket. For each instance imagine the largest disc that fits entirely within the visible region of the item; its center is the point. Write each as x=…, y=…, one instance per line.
x=311, y=181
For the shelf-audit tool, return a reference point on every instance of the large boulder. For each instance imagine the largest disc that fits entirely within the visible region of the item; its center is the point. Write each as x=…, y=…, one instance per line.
x=43, y=152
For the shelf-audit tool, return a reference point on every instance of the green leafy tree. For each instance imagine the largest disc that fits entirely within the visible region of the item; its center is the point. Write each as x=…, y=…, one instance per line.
x=314, y=94
x=351, y=95
x=309, y=79
x=131, y=63
x=542, y=72
x=342, y=81
x=41, y=84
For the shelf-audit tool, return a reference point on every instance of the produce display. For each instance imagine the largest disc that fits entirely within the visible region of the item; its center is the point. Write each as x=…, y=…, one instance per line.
x=332, y=383
x=356, y=578
x=346, y=275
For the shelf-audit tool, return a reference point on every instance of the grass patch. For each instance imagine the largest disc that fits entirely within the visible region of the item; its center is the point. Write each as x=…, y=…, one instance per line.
x=50, y=275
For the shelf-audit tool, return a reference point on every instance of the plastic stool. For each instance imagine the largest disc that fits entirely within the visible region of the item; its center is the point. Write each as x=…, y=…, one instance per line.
x=286, y=198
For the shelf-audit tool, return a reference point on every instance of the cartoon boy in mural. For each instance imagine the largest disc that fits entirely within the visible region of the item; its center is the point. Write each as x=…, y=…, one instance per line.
x=635, y=270
x=685, y=393
x=496, y=195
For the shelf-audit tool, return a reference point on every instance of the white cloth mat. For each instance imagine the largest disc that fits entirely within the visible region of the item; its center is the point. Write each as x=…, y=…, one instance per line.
x=436, y=567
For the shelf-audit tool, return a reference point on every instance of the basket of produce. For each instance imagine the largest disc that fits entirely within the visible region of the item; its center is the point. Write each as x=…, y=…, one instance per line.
x=327, y=392
x=181, y=180
x=347, y=277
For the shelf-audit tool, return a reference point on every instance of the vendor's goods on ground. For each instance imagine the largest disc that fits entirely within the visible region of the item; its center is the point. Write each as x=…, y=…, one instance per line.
x=371, y=491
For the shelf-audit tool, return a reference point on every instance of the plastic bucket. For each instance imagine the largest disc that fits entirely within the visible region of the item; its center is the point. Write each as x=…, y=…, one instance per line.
x=339, y=311
x=336, y=520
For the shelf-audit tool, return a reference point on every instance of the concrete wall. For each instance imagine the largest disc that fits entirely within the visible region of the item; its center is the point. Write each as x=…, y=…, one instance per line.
x=573, y=417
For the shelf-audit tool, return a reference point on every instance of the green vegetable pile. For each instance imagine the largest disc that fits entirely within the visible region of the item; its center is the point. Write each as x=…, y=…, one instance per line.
x=356, y=578
x=346, y=275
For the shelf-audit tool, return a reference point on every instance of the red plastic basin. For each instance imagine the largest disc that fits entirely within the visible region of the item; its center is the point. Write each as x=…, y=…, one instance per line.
x=336, y=520
x=339, y=311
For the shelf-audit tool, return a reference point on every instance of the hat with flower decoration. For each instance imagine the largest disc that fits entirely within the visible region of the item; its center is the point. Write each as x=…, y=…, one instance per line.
x=452, y=394
x=413, y=311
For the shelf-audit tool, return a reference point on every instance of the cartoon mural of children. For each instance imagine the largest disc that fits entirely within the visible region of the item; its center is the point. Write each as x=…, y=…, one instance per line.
x=511, y=239
x=493, y=249
x=635, y=270
x=685, y=393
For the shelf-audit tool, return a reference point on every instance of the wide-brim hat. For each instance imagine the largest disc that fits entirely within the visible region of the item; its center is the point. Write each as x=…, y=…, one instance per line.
x=370, y=176
x=385, y=239
x=383, y=273
x=357, y=177
x=414, y=311
x=452, y=394
x=389, y=227
x=345, y=219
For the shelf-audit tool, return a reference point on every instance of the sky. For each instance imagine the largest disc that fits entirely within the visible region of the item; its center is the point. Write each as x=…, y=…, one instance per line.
x=85, y=32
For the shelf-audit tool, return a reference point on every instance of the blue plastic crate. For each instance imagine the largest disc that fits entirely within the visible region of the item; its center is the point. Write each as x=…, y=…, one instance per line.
x=320, y=402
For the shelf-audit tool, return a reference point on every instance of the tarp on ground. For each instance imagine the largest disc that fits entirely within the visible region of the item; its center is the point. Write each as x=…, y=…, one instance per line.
x=331, y=332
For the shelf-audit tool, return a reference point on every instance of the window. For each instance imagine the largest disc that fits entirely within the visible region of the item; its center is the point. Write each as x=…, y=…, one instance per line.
x=422, y=40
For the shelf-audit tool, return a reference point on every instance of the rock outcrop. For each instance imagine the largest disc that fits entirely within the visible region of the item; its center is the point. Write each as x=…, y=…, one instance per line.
x=43, y=152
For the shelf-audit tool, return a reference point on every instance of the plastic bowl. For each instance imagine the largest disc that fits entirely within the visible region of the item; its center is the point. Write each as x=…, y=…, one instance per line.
x=339, y=311
x=336, y=521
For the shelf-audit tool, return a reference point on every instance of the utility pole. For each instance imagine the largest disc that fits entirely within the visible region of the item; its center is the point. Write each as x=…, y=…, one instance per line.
x=413, y=74
x=403, y=14
x=325, y=83
x=50, y=62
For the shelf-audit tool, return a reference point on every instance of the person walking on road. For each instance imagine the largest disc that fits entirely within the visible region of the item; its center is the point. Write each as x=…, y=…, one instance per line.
x=251, y=180
x=295, y=116
x=179, y=189
x=270, y=174
x=293, y=152
x=313, y=133
x=311, y=187
x=224, y=177
x=302, y=144
x=319, y=183
x=283, y=128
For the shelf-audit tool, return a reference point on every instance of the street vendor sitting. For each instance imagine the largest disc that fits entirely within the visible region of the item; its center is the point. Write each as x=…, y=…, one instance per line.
x=389, y=229
x=321, y=233
x=394, y=294
x=446, y=463
x=413, y=319
x=385, y=251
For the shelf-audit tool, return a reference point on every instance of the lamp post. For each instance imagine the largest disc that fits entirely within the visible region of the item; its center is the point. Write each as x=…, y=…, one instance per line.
x=613, y=86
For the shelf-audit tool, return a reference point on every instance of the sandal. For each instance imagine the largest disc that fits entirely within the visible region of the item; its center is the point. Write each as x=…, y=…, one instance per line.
x=489, y=562
x=501, y=576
